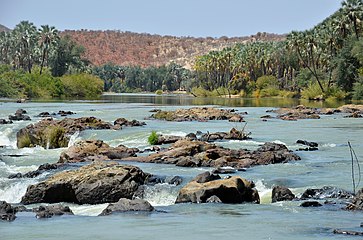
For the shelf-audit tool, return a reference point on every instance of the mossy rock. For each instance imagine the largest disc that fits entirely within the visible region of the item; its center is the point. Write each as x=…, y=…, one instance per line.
x=24, y=141
x=55, y=137
x=164, y=115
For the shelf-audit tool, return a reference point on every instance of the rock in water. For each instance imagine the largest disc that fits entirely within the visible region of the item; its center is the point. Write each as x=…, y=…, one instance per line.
x=280, y=193
x=7, y=212
x=311, y=204
x=231, y=190
x=326, y=192
x=357, y=202
x=52, y=210
x=91, y=150
x=96, y=183
x=127, y=205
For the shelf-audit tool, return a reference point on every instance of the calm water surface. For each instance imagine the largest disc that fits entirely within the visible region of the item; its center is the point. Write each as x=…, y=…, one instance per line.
x=284, y=220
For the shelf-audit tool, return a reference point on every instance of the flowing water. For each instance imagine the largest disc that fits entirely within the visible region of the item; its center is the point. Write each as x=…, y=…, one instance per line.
x=283, y=220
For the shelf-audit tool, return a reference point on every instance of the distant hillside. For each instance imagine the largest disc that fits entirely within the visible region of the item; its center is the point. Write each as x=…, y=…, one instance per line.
x=127, y=48
x=3, y=28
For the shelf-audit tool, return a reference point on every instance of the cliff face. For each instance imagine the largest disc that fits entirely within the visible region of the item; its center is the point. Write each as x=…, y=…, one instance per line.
x=127, y=48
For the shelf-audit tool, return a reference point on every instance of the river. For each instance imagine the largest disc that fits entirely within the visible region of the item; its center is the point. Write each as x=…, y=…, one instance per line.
x=330, y=165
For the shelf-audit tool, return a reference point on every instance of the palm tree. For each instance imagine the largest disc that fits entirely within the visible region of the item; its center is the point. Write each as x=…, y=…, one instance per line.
x=48, y=37
x=353, y=10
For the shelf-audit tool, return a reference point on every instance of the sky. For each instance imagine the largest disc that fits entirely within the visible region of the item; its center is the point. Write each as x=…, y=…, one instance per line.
x=197, y=18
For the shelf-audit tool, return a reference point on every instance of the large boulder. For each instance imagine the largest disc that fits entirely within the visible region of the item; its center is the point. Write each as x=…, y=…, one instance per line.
x=92, y=150
x=50, y=133
x=197, y=114
x=280, y=193
x=19, y=116
x=127, y=205
x=7, y=212
x=326, y=192
x=187, y=153
x=99, y=182
x=230, y=190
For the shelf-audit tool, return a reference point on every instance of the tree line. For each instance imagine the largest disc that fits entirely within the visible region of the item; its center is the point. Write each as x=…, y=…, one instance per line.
x=325, y=61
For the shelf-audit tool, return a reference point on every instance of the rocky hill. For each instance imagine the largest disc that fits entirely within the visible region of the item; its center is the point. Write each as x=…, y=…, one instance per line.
x=128, y=48
x=3, y=28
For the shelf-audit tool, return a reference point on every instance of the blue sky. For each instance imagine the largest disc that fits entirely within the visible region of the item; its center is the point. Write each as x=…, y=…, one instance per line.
x=199, y=18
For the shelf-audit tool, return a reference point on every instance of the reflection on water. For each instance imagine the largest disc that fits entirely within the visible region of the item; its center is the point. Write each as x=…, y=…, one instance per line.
x=183, y=100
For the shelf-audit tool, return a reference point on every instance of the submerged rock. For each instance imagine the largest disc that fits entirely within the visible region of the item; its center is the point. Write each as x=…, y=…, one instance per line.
x=127, y=205
x=280, y=193
x=52, y=210
x=347, y=232
x=311, y=204
x=92, y=150
x=4, y=121
x=230, y=190
x=197, y=114
x=310, y=144
x=7, y=212
x=96, y=183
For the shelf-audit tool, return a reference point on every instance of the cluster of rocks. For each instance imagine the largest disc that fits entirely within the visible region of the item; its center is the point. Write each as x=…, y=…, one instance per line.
x=20, y=115
x=51, y=133
x=198, y=114
x=233, y=134
x=187, y=153
x=61, y=113
x=303, y=112
x=311, y=146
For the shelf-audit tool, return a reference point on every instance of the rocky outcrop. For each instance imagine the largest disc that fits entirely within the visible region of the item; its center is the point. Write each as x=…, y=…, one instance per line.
x=7, y=212
x=96, y=183
x=229, y=190
x=188, y=153
x=350, y=108
x=354, y=115
x=92, y=150
x=298, y=112
x=123, y=122
x=19, y=116
x=52, y=210
x=280, y=193
x=198, y=114
x=127, y=205
x=326, y=192
x=233, y=134
x=4, y=121
x=311, y=146
x=50, y=133
x=62, y=113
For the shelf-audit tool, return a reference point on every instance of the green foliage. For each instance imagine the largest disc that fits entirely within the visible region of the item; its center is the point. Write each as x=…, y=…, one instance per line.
x=153, y=138
x=54, y=137
x=159, y=92
x=82, y=86
x=267, y=82
x=24, y=141
x=358, y=89
x=312, y=92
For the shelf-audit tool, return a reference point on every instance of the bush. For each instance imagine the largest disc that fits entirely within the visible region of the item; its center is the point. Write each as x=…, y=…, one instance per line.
x=265, y=82
x=153, y=138
x=159, y=92
x=312, y=91
x=358, y=89
x=82, y=86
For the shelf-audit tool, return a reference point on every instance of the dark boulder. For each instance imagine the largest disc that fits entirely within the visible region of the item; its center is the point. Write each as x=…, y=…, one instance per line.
x=96, y=183
x=306, y=143
x=19, y=116
x=7, y=212
x=280, y=193
x=120, y=122
x=52, y=210
x=356, y=203
x=4, y=121
x=167, y=139
x=206, y=177
x=127, y=205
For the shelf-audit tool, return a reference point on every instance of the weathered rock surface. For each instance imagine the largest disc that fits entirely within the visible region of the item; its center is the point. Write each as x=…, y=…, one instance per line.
x=7, y=212
x=19, y=116
x=326, y=192
x=52, y=210
x=4, y=121
x=233, y=134
x=92, y=150
x=347, y=232
x=280, y=193
x=99, y=182
x=230, y=190
x=188, y=153
x=50, y=133
x=351, y=108
x=198, y=114
x=127, y=205
x=298, y=112
x=354, y=115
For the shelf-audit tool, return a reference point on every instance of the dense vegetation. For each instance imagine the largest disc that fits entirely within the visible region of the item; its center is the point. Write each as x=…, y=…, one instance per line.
x=322, y=62
x=38, y=63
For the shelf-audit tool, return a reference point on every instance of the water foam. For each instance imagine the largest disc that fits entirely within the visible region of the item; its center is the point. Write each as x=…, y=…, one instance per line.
x=13, y=190
x=73, y=139
x=5, y=138
x=264, y=192
x=161, y=194
x=87, y=209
